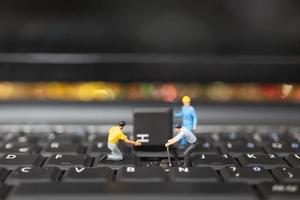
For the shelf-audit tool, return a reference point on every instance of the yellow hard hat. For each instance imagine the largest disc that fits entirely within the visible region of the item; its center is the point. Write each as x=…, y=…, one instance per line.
x=186, y=99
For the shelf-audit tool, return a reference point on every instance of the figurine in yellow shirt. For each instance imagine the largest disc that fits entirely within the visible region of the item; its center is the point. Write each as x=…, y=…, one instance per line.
x=116, y=134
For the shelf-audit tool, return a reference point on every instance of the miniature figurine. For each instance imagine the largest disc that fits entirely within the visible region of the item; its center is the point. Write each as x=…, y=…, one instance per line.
x=184, y=133
x=188, y=115
x=115, y=135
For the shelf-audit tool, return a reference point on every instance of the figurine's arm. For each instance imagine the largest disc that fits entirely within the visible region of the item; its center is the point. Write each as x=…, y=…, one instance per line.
x=126, y=140
x=172, y=141
x=178, y=114
x=135, y=143
x=195, y=120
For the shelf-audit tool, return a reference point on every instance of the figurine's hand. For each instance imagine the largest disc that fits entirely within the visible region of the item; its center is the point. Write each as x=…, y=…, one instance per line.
x=194, y=129
x=167, y=144
x=137, y=143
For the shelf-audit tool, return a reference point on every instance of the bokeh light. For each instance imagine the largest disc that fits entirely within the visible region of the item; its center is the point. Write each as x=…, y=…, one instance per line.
x=168, y=92
x=143, y=91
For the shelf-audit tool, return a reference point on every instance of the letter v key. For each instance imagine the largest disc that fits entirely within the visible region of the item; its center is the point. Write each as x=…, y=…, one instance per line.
x=79, y=169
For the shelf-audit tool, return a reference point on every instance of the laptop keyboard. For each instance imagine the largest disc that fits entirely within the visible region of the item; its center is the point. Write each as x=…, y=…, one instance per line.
x=62, y=162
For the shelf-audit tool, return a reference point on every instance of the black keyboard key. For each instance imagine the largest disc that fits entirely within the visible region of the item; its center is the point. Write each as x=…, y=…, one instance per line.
x=13, y=161
x=62, y=148
x=3, y=173
x=202, y=148
x=287, y=175
x=282, y=148
x=267, y=161
x=198, y=174
x=206, y=148
x=145, y=191
x=4, y=190
x=128, y=161
x=295, y=136
x=208, y=136
x=294, y=160
x=33, y=174
x=11, y=136
x=82, y=174
x=77, y=131
x=67, y=161
x=249, y=175
x=65, y=138
x=23, y=139
x=232, y=137
x=94, y=138
x=278, y=191
x=265, y=136
x=18, y=148
x=214, y=161
x=141, y=174
x=238, y=148
x=98, y=148
x=152, y=126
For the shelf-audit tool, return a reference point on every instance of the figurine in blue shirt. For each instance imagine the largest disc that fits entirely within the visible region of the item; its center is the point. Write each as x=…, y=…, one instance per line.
x=188, y=115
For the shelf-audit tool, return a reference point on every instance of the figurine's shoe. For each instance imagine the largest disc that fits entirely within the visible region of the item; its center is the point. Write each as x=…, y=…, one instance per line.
x=128, y=160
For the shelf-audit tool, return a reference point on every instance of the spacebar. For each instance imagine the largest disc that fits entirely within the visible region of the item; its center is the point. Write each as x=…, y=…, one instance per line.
x=132, y=191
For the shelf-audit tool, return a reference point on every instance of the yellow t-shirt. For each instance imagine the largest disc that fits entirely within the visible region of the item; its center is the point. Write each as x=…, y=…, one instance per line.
x=115, y=134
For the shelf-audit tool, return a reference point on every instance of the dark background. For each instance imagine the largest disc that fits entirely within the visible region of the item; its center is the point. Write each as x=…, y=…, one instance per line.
x=159, y=40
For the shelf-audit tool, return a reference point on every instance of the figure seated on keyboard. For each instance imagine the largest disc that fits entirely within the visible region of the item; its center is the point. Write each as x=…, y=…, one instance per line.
x=115, y=135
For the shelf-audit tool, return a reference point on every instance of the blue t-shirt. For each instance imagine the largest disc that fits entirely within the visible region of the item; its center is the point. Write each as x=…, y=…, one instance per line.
x=189, y=117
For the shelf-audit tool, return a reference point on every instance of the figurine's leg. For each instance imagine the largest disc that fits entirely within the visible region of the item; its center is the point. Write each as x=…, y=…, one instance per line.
x=111, y=148
x=116, y=154
x=187, y=154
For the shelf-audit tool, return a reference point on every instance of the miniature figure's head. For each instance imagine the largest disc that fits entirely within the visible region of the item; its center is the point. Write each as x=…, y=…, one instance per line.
x=122, y=124
x=178, y=128
x=186, y=100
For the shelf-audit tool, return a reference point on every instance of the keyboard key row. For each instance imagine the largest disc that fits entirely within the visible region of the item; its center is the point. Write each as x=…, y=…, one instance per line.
x=64, y=161
x=93, y=149
x=52, y=148
x=249, y=175
x=269, y=161
x=89, y=133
